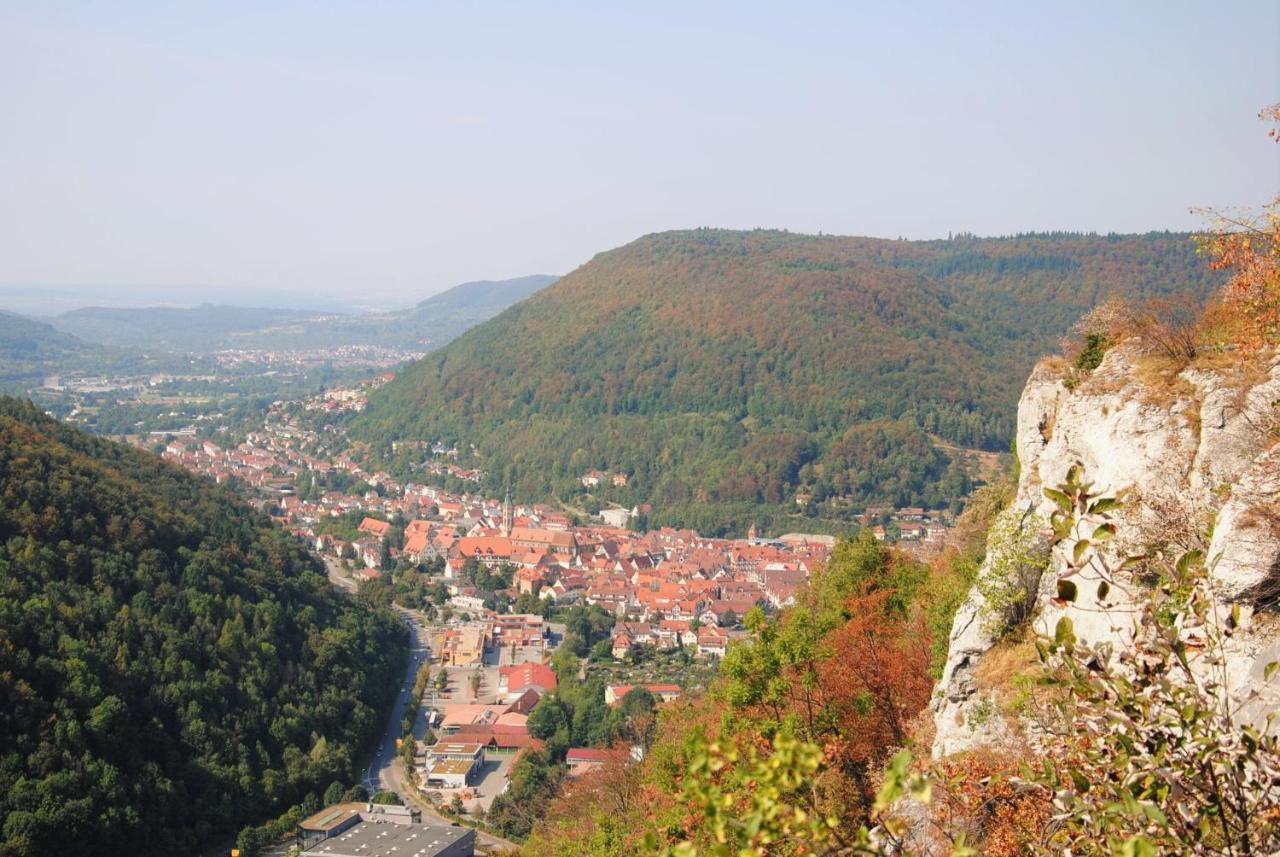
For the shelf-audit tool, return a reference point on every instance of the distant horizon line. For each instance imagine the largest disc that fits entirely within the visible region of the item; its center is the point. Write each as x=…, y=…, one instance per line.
x=69, y=297
x=20, y=298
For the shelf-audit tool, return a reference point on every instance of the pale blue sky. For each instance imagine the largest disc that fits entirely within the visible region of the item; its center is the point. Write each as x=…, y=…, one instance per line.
x=381, y=151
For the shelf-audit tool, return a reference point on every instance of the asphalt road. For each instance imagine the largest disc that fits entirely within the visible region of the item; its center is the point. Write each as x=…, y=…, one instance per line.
x=379, y=773
x=386, y=771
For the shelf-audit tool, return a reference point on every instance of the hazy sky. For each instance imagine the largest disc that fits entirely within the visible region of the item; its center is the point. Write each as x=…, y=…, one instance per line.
x=379, y=151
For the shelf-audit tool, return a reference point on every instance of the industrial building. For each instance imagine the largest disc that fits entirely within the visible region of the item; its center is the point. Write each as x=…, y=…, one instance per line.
x=372, y=830
x=374, y=839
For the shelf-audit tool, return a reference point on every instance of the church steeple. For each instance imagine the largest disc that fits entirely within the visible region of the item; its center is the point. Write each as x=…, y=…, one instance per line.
x=508, y=515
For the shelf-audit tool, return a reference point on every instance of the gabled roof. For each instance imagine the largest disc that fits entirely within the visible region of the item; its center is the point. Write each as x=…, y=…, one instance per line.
x=523, y=676
x=374, y=526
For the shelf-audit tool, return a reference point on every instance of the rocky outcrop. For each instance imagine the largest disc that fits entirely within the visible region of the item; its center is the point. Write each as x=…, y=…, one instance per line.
x=1188, y=451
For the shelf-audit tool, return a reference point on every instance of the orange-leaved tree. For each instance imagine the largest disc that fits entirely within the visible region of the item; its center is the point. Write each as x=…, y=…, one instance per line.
x=1248, y=246
x=875, y=680
x=844, y=669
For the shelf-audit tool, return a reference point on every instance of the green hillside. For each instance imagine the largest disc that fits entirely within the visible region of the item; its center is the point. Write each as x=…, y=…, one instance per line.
x=171, y=666
x=28, y=347
x=725, y=370
x=181, y=329
x=31, y=351
x=429, y=324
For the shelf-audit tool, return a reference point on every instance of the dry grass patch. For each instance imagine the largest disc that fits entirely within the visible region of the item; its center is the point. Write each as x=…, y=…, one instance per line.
x=1162, y=383
x=1057, y=366
x=1006, y=668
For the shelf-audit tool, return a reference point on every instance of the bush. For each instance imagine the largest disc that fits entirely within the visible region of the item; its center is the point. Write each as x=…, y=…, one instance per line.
x=1249, y=247
x=333, y=794
x=253, y=840
x=1095, y=347
x=1017, y=556
x=355, y=794
x=1155, y=756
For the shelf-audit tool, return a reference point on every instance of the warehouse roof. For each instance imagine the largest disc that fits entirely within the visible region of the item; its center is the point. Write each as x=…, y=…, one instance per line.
x=369, y=839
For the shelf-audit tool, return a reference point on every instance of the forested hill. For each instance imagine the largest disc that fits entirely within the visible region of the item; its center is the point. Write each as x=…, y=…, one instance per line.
x=181, y=329
x=31, y=351
x=739, y=367
x=428, y=324
x=171, y=666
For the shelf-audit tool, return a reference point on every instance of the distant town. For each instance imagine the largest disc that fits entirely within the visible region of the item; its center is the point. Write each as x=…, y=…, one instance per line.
x=486, y=579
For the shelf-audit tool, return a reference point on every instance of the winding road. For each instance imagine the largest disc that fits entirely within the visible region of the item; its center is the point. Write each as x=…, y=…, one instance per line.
x=386, y=771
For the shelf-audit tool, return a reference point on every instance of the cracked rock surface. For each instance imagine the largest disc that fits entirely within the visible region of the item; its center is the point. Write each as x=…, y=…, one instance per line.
x=1182, y=449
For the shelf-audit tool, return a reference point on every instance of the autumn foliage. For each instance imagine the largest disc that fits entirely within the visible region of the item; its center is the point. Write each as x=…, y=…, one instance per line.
x=829, y=688
x=1249, y=248
x=874, y=682
x=977, y=795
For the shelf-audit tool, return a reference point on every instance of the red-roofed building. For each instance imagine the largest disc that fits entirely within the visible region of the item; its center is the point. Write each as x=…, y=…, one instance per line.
x=515, y=680
x=615, y=693
x=490, y=550
x=584, y=759
x=712, y=641
x=374, y=527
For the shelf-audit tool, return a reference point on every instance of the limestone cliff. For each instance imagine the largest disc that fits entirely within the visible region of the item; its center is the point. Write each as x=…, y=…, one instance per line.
x=1189, y=450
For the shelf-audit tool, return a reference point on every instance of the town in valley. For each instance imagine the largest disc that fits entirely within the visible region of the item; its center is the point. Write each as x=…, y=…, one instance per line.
x=493, y=588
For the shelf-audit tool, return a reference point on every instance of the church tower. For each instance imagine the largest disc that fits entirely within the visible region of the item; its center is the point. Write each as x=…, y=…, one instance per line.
x=508, y=515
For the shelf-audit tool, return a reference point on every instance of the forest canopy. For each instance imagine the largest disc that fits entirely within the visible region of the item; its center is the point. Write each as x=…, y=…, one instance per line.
x=171, y=666
x=763, y=370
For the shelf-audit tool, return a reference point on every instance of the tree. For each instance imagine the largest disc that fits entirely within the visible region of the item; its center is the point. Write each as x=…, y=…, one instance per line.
x=754, y=802
x=1017, y=555
x=876, y=678
x=547, y=717
x=639, y=701
x=408, y=752
x=845, y=668
x=1248, y=246
x=534, y=781
x=565, y=662
x=131, y=576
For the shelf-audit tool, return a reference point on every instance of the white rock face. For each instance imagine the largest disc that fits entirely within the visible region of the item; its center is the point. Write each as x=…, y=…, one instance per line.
x=1179, y=450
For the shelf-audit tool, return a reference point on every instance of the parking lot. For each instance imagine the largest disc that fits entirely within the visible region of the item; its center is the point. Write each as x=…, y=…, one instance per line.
x=459, y=689
x=521, y=655
x=489, y=783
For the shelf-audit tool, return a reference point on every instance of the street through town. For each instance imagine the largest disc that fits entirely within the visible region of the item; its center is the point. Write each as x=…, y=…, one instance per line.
x=386, y=770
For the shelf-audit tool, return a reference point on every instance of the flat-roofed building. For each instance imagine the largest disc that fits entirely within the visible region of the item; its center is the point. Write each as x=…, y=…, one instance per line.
x=450, y=774
x=464, y=647
x=328, y=822
x=453, y=764
x=458, y=750
x=373, y=839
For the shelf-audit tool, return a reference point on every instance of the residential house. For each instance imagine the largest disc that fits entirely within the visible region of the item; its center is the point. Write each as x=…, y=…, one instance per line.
x=615, y=693
x=374, y=527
